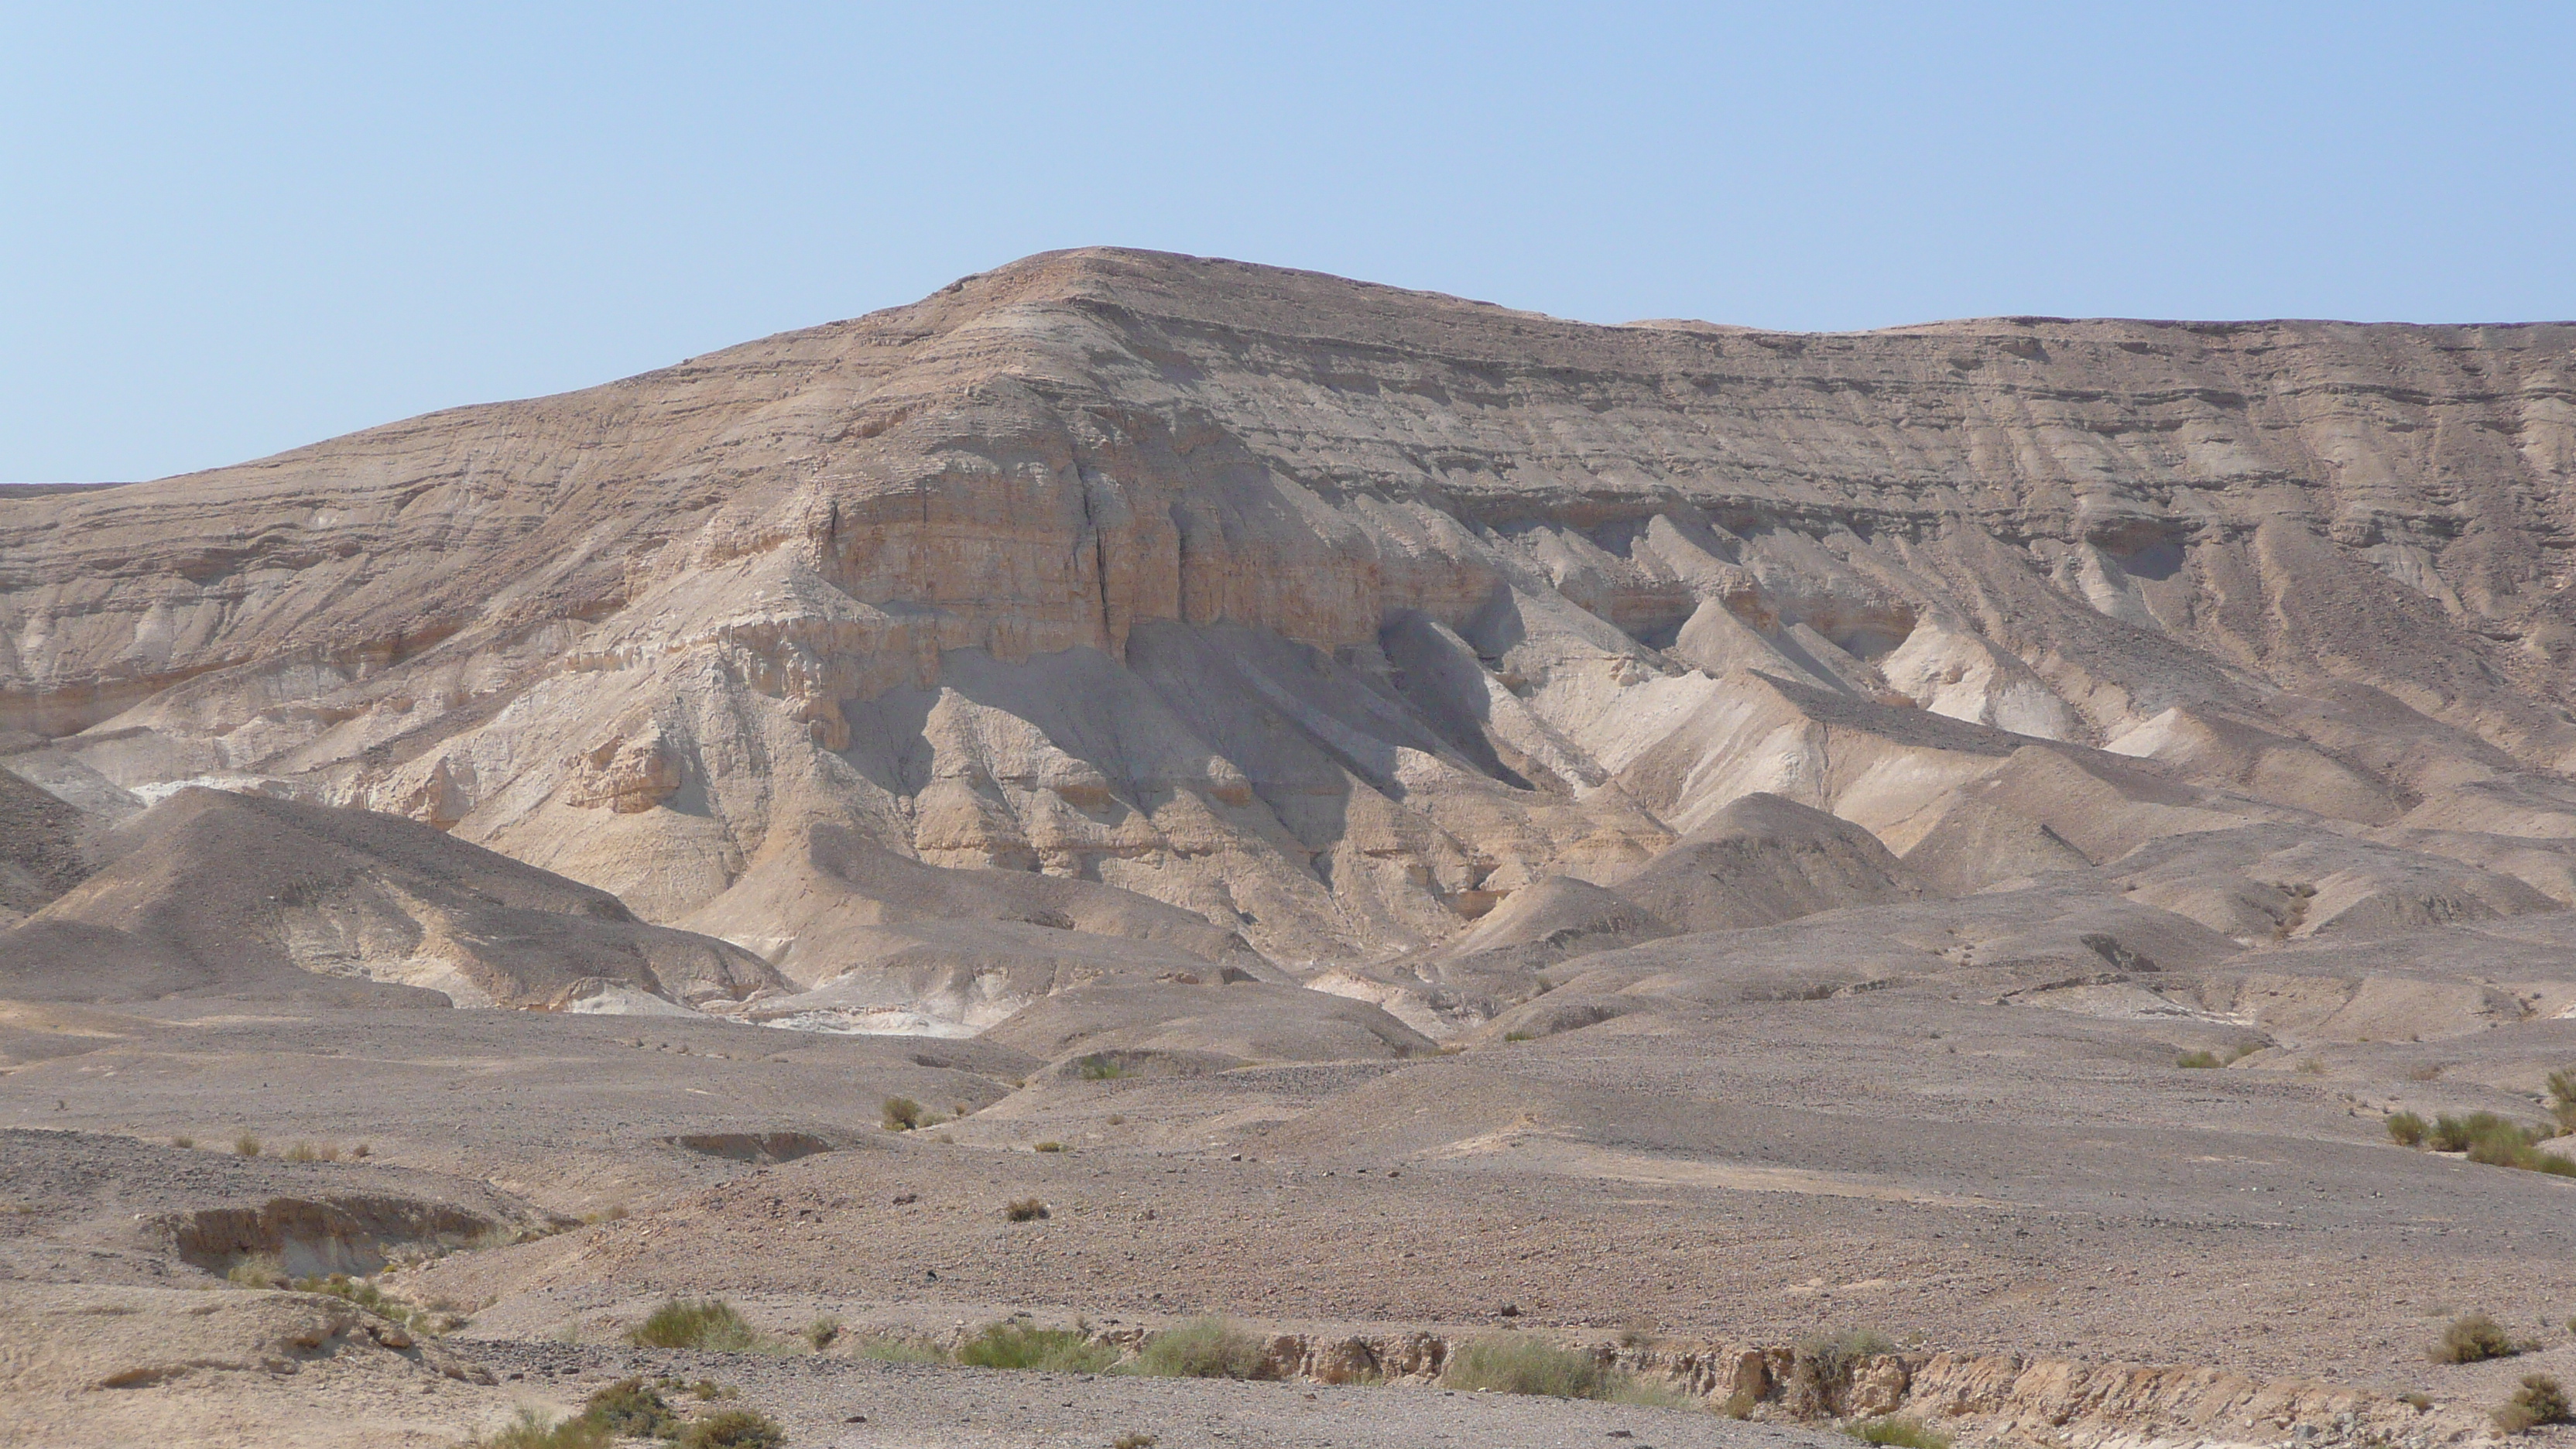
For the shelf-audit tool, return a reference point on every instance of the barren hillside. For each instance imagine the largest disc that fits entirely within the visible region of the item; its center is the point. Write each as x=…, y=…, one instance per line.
x=1711, y=840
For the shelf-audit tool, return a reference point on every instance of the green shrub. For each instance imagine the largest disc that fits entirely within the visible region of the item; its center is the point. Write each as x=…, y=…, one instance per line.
x=2475, y=1338
x=1022, y=1346
x=734, y=1429
x=2407, y=1130
x=1100, y=1067
x=1048, y=1147
x=901, y=1114
x=259, y=1270
x=535, y=1431
x=2453, y=1134
x=1025, y=1210
x=183, y=1140
x=246, y=1145
x=821, y=1333
x=1527, y=1366
x=2540, y=1400
x=632, y=1409
x=2198, y=1061
x=1902, y=1433
x=1520, y=1036
x=1208, y=1348
x=709, y=1323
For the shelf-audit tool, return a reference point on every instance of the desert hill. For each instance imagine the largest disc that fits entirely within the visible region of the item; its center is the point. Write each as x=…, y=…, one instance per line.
x=1331, y=614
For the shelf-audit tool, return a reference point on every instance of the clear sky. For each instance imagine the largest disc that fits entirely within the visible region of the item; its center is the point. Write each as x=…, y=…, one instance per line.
x=229, y=230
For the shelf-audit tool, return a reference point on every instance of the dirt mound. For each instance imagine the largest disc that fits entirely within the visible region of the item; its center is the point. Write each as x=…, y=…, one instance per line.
x=102, y=1365
x=218, y=893
x=1762, y=860
x=40, y=855
x=1250, y=1021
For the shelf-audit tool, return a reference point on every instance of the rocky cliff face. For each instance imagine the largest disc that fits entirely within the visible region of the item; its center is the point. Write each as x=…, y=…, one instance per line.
x=1332, y=614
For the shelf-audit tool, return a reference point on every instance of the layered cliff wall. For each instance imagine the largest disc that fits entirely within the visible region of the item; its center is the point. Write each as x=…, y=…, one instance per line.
x=1333, y=613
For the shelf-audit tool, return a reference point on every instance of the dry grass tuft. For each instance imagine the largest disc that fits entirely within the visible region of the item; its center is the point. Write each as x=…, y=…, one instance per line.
x=733, y=1429
x=1901, y=1433
x=1023, y=1346
x=707, y=1323
x=1209, y=1348
x=534, y=1430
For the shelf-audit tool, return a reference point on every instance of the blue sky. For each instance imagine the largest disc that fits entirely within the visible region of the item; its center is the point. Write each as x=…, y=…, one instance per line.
x=227, y=234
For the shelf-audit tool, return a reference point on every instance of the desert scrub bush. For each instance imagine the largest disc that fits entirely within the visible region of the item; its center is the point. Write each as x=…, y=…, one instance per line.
x=2496, y=1142
x=707, y=1323
x=371, y=1298
x=900, y=1114
x=2202, y=1060
x=2475, y=1338
x=1024, y=1346
x=1134, y=1441
x=2453, y=1134
x=259, y=1270
x=2407, y=1130
x=183, y=1140
x=733, y=1429
x=1902, y=1433
x=1207, y=1348
x=307, y=1152
x=1099, y=1067
x=1048, y=1147
x=1025, y=1210
x=1527, y=1366
x=246, y=1145
x=1820, y=1369
x=889, y=1348
x=2540, y=1400
x=534, y=1430
x=2562, y=1098
x=632, y=1409
x=1520, y=1036
x=822, y=1333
